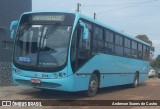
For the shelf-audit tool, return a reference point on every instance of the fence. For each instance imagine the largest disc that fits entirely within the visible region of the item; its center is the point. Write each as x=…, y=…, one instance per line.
x=5, y=74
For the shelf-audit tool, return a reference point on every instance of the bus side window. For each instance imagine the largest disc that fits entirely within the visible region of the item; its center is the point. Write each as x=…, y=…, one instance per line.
x=83, y=49
x=84, y=44
x=127, y=47
x=144, y=53
x=109, y=42
x=118, y=44
x=134, y=49
x=97, y=45
x=148, y=53
x=140, y=52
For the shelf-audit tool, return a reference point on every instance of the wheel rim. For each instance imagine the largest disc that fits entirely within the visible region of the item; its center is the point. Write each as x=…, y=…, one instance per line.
x=93, y=85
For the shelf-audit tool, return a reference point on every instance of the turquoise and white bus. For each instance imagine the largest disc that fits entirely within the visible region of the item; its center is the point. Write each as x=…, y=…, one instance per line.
x=71, y=52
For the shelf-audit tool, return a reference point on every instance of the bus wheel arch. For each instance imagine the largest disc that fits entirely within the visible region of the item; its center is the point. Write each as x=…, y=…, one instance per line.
x=97, y=73
x=136, y=80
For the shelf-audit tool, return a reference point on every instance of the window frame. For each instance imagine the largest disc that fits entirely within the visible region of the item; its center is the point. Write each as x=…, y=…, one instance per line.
x=107, y=42
x=119, y=44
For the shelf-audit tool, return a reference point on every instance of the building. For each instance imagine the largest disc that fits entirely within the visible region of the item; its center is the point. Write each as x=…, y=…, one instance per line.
x=10, y=10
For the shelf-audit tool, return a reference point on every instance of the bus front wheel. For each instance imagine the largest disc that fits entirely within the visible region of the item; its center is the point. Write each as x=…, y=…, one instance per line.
x=93, y=86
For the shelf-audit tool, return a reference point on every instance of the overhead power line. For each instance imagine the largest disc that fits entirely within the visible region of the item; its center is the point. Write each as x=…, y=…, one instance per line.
x=109, y=6
x=133, y=3
x=102, y=12
x=139, y=16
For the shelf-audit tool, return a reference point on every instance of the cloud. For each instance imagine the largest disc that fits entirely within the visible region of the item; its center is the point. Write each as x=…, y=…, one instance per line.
x=156, y=42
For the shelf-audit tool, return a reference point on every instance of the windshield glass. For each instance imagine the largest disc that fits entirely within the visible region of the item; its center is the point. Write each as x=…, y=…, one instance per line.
x=42, y=45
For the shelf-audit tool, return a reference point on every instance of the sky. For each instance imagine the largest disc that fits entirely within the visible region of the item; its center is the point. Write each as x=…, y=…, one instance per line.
x=134, y=17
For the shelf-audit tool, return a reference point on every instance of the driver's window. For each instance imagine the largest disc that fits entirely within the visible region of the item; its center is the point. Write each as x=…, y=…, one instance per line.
x=84, y=43
x=84, y=46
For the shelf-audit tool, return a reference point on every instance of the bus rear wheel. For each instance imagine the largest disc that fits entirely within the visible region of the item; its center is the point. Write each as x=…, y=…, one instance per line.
x=136, y=81
x=93, y=86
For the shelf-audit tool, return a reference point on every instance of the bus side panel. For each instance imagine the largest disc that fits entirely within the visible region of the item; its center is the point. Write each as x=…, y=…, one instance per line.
x=84, y=73
x=81, y=82
x=123, y=71
x=116, y=79
x=115, y=69
x=142, y=67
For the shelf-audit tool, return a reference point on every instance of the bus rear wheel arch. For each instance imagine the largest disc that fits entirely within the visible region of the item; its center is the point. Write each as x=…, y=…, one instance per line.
x=136, y=80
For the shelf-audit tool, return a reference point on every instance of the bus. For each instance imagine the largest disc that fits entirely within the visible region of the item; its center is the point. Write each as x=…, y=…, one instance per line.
x=71, y=52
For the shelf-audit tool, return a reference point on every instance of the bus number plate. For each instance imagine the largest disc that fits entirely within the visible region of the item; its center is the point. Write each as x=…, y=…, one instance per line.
x=35, y=81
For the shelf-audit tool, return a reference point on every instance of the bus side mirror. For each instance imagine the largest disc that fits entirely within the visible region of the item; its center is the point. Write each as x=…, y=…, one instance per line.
x=85, y=31
x=12, y=25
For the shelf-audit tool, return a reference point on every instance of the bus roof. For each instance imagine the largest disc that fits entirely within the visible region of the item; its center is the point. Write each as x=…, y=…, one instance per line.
x=79, y=15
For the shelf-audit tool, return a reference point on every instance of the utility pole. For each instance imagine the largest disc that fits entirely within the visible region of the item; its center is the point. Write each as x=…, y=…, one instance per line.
x=78, y=7
x=94, y=15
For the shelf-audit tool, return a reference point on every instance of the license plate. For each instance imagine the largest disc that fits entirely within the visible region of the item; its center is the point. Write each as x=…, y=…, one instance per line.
x=36, y=81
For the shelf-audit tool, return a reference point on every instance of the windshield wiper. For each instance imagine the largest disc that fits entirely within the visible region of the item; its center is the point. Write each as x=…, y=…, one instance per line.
x=51, y=30
x=21, y=32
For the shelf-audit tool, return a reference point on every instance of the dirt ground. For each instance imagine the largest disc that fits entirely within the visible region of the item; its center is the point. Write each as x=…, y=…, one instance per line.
x=150, y=90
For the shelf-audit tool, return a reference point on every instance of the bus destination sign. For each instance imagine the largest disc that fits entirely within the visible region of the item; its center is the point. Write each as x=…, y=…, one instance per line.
x=48, y=17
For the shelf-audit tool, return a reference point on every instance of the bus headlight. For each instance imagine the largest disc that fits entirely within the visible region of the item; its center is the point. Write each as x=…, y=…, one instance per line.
x=62, y=74
x=59, y=75
x=56, y=75
x=17, y=71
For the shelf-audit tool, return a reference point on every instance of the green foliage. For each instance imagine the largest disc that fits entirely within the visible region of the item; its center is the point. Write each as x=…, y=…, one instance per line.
x=153, y=76
x=146, y=39
x=155, y=63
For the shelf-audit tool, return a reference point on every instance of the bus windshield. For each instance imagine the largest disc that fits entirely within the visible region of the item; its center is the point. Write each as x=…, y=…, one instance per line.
x=42, y=45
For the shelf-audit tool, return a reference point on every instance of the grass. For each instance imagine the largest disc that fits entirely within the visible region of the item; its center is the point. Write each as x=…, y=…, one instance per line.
x=153, y=76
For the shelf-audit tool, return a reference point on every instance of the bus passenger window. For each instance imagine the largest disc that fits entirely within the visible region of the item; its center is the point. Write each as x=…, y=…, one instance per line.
x=100, y=40
x=148, y=53
x=140, y=54
x=119, y=45
x=134, y=49
x=95, y=42
x=127, y=47
x=109, y=46
x=97, y=45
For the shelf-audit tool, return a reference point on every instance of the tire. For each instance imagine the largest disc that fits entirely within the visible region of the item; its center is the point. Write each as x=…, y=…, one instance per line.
x=136, y=81
x=93, y=86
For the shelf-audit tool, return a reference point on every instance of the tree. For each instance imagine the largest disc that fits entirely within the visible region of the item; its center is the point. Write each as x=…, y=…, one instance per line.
x=146, y=39
x=155, y=63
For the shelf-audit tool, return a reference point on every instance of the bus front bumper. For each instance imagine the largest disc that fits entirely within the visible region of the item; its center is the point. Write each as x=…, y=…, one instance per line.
x=63, y=84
